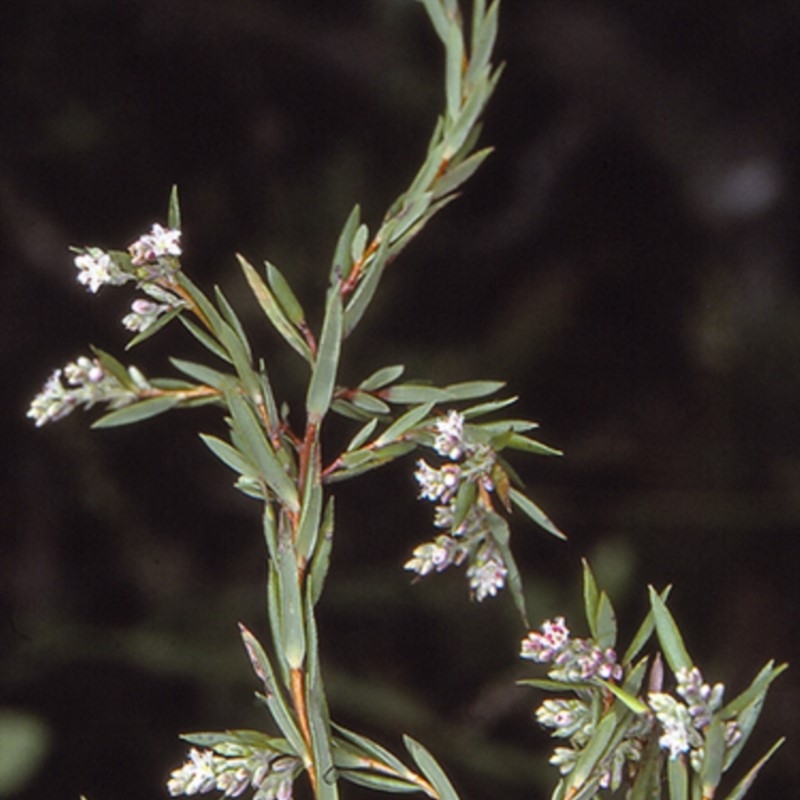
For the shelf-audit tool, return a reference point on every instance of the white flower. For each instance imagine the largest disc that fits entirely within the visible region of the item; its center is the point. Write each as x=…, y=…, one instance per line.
x=143, y=314
x=486, y=578
x=545, y=645
x=431, y=556
x=450, y=439
x=679, y=735
x=97, y=268
x=196, y=776
x=160, y=242
x=437, y=484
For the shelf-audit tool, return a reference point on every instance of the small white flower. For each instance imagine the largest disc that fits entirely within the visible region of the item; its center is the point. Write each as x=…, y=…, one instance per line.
x=160, y=242
x=450, y=439
x=97, y=268
x=196, y=776
x=436, y=484
x=486, y=578
x=679, y=735
x=543, y=645
x=143, y=315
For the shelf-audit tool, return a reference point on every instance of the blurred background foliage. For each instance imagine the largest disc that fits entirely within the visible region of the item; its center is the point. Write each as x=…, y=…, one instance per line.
x=627, y=260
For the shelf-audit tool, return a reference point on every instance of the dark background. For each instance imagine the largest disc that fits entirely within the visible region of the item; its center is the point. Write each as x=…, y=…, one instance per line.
x=626, y=260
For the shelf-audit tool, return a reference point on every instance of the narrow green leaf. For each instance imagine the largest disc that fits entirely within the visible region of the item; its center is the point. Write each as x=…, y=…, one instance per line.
x=273, y=311
x=460, y=174
x=347, y=410
x=174, y=213
x=469, y=390
x=359, y=461
x=113, y=366
x=403, y=424
x=322, y=555
x=606, y=622
x=341, y=265
x=136, y=412
x=478, y=14
x=744, y=785
x=631, y=702
x=490, y=407
x=713, y=755
x=374, y=752
x=454, y=59
x=678, y=778
x=526, y=445
x=323, y=378
x=381, y=783
x=359, y=243
x=229, y=456
x=757, y=687
x=292, y=642
x=208, y=341
x=534, y=513
x=465, y=499
x=363, y=435
x=203, y=374
x=668, y=634
x=483, y=41
x=438, y=18
x=644, y=632
x=160, y=323
x=481, y=91
x=286, y=297
x=592, y=754
x=412, y=393
x=591, y=598
x=273, y=695
x=259, y=450
x=502, y=536
x=412, y=211
x=430, y=769
x=370, y=404
x=310, y=518
x=382, y=377
x=233, y=320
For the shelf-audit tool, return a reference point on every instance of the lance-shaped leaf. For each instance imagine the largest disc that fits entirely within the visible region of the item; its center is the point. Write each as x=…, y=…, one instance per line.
x=233, y=320
x=341, y=258
x=438, y=16
x=372, y=755
x=412, y=393
x=591, y=597
x=744, y=785
x=643, y=633
x=457, y=175
x=454, y=61
x=382, y=377
x=678, y=778
x=114, y=367
x=533, y=512
x=593, y=753
x=320, y=561
x=668, y=634
x=713, y=757
x=484, y=34
x=372, y=273
x=273, y=694
x=363, y=435
x=310, y=517
x=369, y=403
x=403, y=424
x=631, y=702
x=360, y=461
x=285, y=296
x=208, y=341
x=274, y=311
x=502, y=536
x=323, y=377
x=136, y=412
x=517, y=441
x=501, y=425
x=203, y=374
x=292, y=637
x=230, y=456
x=174, y=211
x=605, y=623
x=430, y=768
x=153, y=329
x=255, y=446
x=469, y=390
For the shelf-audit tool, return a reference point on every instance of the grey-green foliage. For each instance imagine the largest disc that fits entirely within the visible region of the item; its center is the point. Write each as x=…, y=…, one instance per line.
x=286, y=470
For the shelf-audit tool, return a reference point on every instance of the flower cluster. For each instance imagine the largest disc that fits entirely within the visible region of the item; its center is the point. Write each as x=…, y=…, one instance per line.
x=580, y=661
x=465, y=478
x=270, y=774
x=683, y=723
x=573, y=660
x=87, y=383
x=152, y=261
